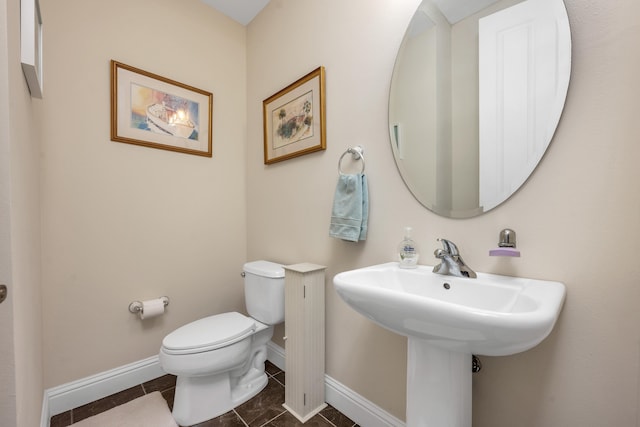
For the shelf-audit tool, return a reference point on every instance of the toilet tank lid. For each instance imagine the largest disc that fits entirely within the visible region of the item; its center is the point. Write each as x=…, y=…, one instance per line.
x=264, y=268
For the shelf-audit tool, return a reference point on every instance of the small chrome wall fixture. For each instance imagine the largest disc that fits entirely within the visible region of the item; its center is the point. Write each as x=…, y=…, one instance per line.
x=136, y=306
x=506, y=244
x=507, y=238
x=356, y=152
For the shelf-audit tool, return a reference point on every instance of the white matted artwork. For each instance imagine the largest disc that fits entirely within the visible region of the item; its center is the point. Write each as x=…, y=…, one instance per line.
x=156, y=112
x=294, y=119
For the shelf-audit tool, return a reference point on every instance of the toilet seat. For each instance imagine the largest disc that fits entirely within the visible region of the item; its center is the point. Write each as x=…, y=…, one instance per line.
x=210, y=333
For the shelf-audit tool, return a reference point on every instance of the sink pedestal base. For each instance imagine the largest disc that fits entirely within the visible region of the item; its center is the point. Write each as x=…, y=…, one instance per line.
x=438, y=386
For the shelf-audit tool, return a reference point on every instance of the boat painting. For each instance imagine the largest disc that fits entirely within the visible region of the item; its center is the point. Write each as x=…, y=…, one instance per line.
x=163, y=113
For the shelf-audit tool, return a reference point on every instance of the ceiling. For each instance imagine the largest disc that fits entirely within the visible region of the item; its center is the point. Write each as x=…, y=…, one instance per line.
x=457, y=10
x=242, y=11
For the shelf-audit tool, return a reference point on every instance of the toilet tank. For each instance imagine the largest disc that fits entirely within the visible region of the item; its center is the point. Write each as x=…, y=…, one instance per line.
x=264, y=291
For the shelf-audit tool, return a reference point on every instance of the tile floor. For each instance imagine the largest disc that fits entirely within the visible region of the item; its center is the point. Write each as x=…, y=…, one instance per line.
x=264, y=410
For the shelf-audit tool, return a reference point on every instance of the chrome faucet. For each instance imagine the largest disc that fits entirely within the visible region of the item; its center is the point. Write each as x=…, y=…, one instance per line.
x=452, y=263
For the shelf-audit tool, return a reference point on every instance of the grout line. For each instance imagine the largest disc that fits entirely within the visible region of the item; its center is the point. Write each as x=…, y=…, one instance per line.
x=276, y=380
x=273, y=419
x=327, y=420
x=245, y=424
x=241, y=419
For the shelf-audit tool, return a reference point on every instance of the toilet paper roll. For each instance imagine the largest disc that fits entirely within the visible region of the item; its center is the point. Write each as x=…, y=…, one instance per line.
x=152, y=308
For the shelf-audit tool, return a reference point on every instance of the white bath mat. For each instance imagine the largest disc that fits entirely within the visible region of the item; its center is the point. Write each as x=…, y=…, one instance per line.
x=150, y=410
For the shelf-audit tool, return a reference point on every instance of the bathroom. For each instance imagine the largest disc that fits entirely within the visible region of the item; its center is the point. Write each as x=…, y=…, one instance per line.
x=94, y=224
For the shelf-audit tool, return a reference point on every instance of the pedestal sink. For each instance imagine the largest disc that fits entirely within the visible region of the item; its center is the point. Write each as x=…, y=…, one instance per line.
x=448, y=319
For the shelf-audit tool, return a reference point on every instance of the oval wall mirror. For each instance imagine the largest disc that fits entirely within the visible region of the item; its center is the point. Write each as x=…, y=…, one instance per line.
x=476, y=95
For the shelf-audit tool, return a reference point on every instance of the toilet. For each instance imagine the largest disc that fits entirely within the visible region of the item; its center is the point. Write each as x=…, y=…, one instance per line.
x=219, y=360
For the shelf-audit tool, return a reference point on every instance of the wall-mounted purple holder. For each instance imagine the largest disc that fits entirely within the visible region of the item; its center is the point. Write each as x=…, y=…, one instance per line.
x=504, y=252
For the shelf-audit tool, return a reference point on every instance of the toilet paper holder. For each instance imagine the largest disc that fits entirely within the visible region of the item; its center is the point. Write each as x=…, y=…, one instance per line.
x=136, y=306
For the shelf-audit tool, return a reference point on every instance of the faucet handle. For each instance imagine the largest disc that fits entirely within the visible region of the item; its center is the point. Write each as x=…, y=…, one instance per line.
x=449, y=246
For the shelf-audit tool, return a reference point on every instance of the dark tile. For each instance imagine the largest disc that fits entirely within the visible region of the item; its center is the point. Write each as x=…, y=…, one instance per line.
x=336, y=417
x=106, y=403
x=263, y=407
x=162, y=383
x=270, y=368
x=168, y=396
x=288, y=420
x=230, y=419
x=280, y=377
x=61, y=420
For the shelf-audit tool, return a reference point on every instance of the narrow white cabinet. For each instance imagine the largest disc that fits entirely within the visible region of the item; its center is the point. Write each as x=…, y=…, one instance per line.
x=304, y=339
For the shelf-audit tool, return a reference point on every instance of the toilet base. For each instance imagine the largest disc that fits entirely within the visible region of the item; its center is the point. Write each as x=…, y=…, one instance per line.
x=199, y=399
x=203, y=397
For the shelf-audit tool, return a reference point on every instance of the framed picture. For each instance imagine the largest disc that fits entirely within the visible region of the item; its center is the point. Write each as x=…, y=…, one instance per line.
x=156, y=112
x=31, y=45
x=294, y=119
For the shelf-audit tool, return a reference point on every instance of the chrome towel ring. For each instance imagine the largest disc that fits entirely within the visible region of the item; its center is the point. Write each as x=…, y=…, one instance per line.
x=356, y=152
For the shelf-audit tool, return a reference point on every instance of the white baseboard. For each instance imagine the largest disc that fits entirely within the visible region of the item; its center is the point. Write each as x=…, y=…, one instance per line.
x=345, y=400
x=362, y=411
x=77, y=393
x=275, y=354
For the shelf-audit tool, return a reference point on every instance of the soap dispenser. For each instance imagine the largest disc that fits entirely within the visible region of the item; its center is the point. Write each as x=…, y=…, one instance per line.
x=407, y=251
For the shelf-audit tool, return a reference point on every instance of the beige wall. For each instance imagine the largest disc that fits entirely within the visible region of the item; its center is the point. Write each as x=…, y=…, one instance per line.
x=356, y=41
x=21, y=373
x=576, y=218
x=7, y=355
x=123, y=222
x=20, y=234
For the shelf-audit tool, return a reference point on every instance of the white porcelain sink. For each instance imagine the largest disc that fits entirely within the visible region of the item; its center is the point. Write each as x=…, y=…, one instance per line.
x=447, y=319
x=491, y=315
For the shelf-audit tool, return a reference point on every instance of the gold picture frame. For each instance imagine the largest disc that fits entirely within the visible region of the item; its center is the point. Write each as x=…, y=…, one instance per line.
x=294, y=119
x=157, y=112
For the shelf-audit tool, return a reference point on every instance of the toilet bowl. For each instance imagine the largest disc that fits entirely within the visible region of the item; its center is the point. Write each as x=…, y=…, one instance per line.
x=219, y=360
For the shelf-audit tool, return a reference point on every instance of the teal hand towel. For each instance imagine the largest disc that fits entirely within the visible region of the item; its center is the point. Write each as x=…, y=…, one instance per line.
x=350, y=212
